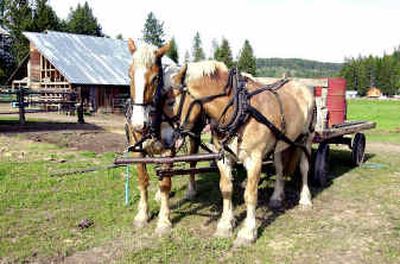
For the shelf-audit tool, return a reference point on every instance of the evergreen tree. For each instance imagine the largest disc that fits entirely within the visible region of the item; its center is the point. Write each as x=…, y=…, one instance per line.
x=153, y=32
x=173, y=51
x=224, y=53
x=7, y=60
x=197, y=52
x=119, y=36
x=82, y=21
x=187, y=57
x=44, y=17
x=247, y=61
x=18, y=18
x=2, y=10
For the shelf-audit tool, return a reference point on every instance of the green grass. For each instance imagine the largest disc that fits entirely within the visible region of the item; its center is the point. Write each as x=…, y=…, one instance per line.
x=386, y=113
x=354, y=220
x=39, y=214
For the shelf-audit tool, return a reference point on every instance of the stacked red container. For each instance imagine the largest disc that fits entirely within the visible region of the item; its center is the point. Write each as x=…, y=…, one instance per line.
x=336, y=101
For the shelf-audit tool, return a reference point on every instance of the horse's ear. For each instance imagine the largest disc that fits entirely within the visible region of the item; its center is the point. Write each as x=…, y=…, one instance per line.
x=179, y=77
x=131, y=46
x=164, y=49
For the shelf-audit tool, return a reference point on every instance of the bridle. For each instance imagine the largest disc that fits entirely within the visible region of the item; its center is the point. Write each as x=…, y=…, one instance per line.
x=155, y=113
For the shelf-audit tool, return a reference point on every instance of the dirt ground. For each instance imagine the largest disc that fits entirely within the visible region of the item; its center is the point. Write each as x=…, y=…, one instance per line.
x=100, y=133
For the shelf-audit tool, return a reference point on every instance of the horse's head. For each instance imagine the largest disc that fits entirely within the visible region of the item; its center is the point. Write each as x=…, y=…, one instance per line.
x=187, y=102
x=146, y=76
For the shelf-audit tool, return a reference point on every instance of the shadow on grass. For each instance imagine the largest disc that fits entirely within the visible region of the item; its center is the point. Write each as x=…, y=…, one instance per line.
x=208, y=201
x=13, y=126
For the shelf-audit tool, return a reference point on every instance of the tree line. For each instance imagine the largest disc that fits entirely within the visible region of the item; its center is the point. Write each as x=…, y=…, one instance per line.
x=372, y=71
x=276, y=67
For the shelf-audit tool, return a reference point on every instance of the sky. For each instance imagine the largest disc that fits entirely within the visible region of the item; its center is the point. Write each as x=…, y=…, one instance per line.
x=323, y=30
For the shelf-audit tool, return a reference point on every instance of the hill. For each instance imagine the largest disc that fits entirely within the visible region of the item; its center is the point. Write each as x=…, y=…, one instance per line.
x=276, y=67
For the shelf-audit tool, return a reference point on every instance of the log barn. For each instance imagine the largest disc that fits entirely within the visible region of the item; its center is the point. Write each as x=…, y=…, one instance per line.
x=95, y=67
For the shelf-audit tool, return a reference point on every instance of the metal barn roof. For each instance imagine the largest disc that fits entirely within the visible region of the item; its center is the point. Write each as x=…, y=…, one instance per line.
x=85, y=59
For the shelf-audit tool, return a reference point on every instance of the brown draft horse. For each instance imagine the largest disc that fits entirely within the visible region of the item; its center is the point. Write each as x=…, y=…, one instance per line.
x=146, y=72
x=253, y=141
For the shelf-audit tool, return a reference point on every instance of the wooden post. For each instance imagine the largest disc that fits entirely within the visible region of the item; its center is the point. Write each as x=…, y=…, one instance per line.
x=21, y=106
x=79, y=110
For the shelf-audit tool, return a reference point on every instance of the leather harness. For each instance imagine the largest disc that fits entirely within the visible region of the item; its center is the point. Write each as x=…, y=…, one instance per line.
x=242, y=111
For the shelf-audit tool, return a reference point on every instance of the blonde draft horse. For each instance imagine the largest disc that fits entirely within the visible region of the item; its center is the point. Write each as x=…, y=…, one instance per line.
x=144, y=74
x=254, y=139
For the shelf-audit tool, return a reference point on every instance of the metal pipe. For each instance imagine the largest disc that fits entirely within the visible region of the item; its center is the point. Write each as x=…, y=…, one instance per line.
x=168, y=160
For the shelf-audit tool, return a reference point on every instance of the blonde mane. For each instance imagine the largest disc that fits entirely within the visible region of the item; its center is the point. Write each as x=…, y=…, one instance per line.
x=201, y=69
x=145, y=56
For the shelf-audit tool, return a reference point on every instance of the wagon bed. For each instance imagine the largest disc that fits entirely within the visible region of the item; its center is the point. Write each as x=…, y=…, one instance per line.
x=339, y=130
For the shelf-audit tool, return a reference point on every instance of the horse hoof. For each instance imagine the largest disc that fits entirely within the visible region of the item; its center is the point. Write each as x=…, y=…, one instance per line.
x=242, y=242
x=139, y=224
x=163, y=230
x=275, y=204
x=223, y=232
x=305, y=206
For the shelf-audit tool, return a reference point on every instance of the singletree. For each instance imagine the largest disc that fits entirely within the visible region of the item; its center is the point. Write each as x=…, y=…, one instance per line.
x=247, y=61
x=224, y=53
x=153, y=31
x=173, y=51
x=82, y=21
x=197, y=52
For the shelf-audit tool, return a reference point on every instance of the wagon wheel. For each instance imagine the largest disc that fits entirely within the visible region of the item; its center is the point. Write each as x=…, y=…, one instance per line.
x=358, y=149
x=321, y=165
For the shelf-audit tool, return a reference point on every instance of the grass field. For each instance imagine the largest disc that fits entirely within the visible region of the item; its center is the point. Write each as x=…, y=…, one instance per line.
x=354, y=220
x=385, y=113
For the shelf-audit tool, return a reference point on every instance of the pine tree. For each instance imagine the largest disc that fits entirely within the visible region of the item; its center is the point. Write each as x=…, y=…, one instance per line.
x=153, y=31
x=187, y=57
x=7, y=60
x=44, y=17
x=197, y=52
x=18, y=18
x=119, y=36
x=173, y=51
x=82, y=21
x=2, y=11
x=224, y=53
x=247, y=61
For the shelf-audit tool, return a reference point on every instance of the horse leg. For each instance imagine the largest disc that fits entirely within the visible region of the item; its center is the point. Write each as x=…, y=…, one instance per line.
x=305, y=195
x=142, y=215
x=227, y=221
x=191, y=188
x=248, y=232
x=164, y=223
x=278, y=194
